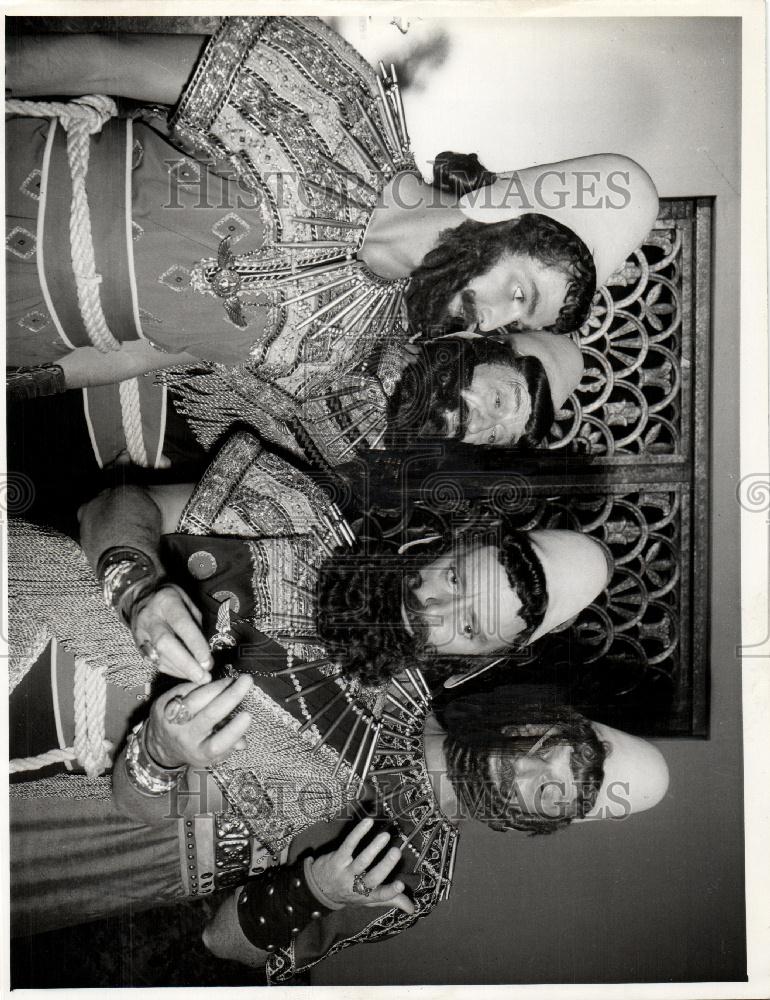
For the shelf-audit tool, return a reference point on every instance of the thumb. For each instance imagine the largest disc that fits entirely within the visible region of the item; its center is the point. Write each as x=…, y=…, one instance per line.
x=391, y=895
x=403, y=902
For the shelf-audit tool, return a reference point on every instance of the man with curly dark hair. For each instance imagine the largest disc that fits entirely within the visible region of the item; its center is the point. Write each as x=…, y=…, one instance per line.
x=483, y=391
x=455, y=602
x=527, y=273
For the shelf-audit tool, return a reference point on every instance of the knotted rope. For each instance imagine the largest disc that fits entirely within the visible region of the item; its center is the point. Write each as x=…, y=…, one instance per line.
x=80, y=119
x=90, y=749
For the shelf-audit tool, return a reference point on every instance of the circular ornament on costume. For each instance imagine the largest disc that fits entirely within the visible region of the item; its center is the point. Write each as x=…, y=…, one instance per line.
x=226, y=282
x=225, y=595
x=202, y=565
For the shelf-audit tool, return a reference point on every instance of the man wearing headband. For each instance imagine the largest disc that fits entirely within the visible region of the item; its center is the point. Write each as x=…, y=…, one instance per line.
x=536, y=775
x=456, y=594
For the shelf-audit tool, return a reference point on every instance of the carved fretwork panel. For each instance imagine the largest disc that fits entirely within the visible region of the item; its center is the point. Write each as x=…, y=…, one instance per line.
x=630, y=467
x=630, y=652
x=635, y=399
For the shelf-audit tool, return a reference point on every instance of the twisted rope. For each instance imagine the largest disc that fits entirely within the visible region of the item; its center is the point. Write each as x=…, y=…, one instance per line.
x=80, y=119
x=90, y=745
x=42, y=760
x=91, y=749
x=131, y=414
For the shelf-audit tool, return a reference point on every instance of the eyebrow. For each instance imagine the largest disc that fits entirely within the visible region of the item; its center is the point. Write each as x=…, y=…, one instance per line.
x=535, y=301
x=460, y=567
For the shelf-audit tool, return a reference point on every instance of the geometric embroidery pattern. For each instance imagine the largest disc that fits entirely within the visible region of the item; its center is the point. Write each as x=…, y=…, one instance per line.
x=231, y=225
x=21, y=243
x=147, y=317
x=185, y=172
x=31, y=185
x=34, y=320
x=177, y=278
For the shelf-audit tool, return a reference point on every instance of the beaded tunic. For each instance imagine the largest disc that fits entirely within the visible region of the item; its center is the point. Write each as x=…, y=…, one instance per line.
x=247, y=550
x=315, y=135
x=335, y=741
x=230, y=233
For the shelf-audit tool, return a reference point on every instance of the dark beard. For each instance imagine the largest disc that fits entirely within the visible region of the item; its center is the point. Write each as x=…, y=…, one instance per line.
x=426, y=390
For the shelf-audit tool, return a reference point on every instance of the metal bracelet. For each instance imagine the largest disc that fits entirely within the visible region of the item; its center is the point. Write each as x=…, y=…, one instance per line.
x=144, y=773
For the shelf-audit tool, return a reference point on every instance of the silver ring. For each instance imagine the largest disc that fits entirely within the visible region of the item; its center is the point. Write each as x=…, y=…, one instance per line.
x=150, y=653
x=360, y=887
x=176, y=711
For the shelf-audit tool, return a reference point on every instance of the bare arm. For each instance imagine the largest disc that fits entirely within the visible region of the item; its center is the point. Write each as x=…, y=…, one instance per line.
x=86, y=366
x=131, y=516
x=144, y=67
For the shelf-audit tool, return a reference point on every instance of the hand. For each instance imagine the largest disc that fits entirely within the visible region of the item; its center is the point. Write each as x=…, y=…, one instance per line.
x=172, y=743
x=169, y=622
x=336, y=871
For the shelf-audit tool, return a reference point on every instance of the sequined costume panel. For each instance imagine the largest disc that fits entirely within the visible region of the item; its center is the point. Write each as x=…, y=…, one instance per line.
x=310, y=131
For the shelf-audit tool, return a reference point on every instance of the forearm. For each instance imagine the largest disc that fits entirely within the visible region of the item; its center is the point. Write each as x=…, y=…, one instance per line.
x=225, y=939
x=86, y=366
x=144, y=67
x=123, y=517
x=193, y=792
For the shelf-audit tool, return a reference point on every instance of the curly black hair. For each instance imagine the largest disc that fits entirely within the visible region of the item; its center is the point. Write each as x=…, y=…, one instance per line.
x=473, y=248
x=360, y=597
x=494, y=722
x=432, y=385
x=460, y=173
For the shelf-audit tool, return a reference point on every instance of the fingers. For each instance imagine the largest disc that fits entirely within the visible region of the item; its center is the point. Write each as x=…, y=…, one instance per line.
x=224, y=702
x=355, y=836
x=361, y=862
x=391, y=895
x=175, y=660
x=181, y=620
x=180, y=691
x=384, y=867
x=194, y=611
x=169, y=621
x=202, y=694
x=228, y=737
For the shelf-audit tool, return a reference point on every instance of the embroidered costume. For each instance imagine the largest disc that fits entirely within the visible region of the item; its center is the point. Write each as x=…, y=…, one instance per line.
x=247, y=549
x=231, y=233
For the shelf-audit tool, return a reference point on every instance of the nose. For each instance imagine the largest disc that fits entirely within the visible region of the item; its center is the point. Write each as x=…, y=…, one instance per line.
x=524, y=767
x=478, y=418
x=484, y=318
x=430, y=596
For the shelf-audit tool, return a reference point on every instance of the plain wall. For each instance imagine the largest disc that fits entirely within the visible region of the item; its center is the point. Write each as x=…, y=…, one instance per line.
x=660, y=896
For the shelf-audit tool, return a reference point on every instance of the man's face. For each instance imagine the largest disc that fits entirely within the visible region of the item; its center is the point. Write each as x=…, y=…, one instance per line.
x=518, y=292
x=493, y=410
x=461, y=604
x=542, y=782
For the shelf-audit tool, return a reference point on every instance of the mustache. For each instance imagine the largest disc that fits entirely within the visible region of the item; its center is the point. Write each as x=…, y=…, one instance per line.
x=470, y=314
x=458, y=432
x=415, y=612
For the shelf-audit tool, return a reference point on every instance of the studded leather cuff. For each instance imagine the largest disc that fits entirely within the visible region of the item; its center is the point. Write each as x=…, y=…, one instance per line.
x=33, y=381
x=128, y=577
x=273, y=908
